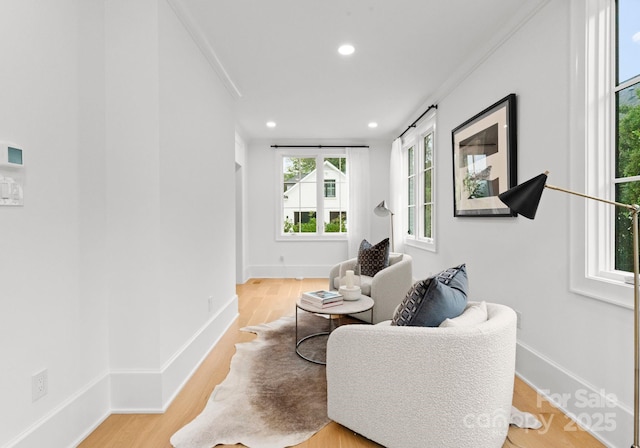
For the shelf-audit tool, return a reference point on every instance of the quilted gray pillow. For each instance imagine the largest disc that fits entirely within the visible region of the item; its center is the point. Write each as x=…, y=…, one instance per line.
x=372, y=259
x=429, y=302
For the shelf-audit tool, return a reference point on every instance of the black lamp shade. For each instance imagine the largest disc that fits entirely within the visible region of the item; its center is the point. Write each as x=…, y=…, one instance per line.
x=524, y=198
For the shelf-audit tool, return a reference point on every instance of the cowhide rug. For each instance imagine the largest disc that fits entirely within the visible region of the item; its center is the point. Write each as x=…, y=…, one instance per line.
x=271, y=397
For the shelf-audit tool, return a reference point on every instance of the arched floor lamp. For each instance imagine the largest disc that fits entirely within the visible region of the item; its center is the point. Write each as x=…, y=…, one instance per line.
x=382, y=210
x=524, y=199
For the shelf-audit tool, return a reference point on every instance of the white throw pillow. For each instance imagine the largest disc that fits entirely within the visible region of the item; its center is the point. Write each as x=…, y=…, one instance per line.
x=474, y=314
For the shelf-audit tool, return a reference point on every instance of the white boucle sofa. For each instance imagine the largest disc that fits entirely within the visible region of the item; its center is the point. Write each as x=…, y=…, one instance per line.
x=387, y=288
x=423, y=387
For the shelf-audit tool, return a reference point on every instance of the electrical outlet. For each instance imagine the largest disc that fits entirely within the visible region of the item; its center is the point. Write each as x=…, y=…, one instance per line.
x=39, y=385
x=210, y=302
x=519, y=319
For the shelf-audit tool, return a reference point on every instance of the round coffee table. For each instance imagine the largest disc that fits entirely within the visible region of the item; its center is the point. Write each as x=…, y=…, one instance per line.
x=360, y=305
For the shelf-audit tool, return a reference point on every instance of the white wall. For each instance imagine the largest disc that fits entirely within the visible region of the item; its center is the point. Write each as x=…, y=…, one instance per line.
x=197, y=205
x=52, y=287
x=133, y=182
x=308, y=258
x=568, y=343
x=107, y=270
x=170, y=145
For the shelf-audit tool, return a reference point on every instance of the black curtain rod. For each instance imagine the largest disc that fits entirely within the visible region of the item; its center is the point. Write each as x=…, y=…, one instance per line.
x=413, y=125
x=319, y=146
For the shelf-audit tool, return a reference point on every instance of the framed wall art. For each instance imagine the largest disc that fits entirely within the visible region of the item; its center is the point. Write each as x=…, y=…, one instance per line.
x=484, y=160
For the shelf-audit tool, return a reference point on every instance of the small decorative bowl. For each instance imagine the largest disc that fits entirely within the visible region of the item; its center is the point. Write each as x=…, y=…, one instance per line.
x=352, y=293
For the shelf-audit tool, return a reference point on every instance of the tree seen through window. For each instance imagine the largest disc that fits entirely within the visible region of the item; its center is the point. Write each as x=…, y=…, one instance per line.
x=627, y=132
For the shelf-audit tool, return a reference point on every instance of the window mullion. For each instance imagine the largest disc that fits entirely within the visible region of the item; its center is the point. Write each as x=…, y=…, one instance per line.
x=418, y=193
x=622, y=180
x=320, y=194
x=627, y=83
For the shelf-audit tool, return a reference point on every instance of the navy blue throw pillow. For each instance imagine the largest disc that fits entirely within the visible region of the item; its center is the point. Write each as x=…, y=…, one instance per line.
x=429, y=302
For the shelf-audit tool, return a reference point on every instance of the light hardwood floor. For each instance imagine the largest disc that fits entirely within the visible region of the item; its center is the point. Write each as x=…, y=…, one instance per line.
x=265, y=300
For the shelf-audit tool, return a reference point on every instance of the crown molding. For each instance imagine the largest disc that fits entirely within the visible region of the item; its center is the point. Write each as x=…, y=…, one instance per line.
x=511, y=27
x=205, y=47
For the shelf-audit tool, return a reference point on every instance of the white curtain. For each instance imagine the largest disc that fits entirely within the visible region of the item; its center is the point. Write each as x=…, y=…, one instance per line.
x=360, y=208
x=396, y=184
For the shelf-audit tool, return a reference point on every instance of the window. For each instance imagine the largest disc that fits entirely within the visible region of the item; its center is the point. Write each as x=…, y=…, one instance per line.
x=627, y=125
x=606, y=161
x=315, y=195
x=419, y=201
x=427, y=174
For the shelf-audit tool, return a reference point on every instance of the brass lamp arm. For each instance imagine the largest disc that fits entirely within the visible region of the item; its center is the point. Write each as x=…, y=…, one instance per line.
x=634, y=208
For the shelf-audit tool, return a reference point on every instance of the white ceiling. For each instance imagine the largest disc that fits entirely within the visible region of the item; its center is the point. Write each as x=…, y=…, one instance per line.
x=279, y=58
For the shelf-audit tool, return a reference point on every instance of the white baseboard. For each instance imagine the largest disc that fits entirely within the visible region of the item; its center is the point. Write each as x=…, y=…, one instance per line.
x=184, y=363
x=287, y=271
x=124, y=391
x=71, y=421
x=602, y=415
x=136, y=392
x=152, y=391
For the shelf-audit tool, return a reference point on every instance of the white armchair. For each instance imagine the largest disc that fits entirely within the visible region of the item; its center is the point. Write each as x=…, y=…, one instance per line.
x=424, y=387
x=387, y=288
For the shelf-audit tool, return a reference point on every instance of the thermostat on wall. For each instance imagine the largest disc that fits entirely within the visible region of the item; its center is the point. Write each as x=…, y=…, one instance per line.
x=12, y=174
x=10, y=155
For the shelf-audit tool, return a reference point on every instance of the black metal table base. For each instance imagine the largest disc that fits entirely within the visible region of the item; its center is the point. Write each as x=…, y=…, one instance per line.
x=314, y=335
x=322, y=333
x=306, y=338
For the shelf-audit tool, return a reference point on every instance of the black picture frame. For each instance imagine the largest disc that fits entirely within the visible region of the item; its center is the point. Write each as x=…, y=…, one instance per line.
x=485, y=160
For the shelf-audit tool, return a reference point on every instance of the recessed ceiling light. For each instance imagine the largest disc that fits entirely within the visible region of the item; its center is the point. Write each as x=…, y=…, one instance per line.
x=346, y=49
x=271, y=124
x=373, y=124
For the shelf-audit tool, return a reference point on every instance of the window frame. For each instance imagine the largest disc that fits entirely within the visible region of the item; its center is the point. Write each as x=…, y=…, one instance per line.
x=592, y=142
x=415, y=138
x=319, y=155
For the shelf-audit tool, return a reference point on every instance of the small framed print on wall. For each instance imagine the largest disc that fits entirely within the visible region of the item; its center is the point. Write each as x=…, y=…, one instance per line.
x=484, y=160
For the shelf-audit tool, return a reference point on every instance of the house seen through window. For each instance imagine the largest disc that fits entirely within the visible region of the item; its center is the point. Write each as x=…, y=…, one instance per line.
x=315, y=195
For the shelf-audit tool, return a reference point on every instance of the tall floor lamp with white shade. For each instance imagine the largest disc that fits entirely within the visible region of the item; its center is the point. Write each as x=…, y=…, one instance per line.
x=524, y=199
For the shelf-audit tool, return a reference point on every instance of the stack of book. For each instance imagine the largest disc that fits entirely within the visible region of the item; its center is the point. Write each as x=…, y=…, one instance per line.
x=321, y=298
